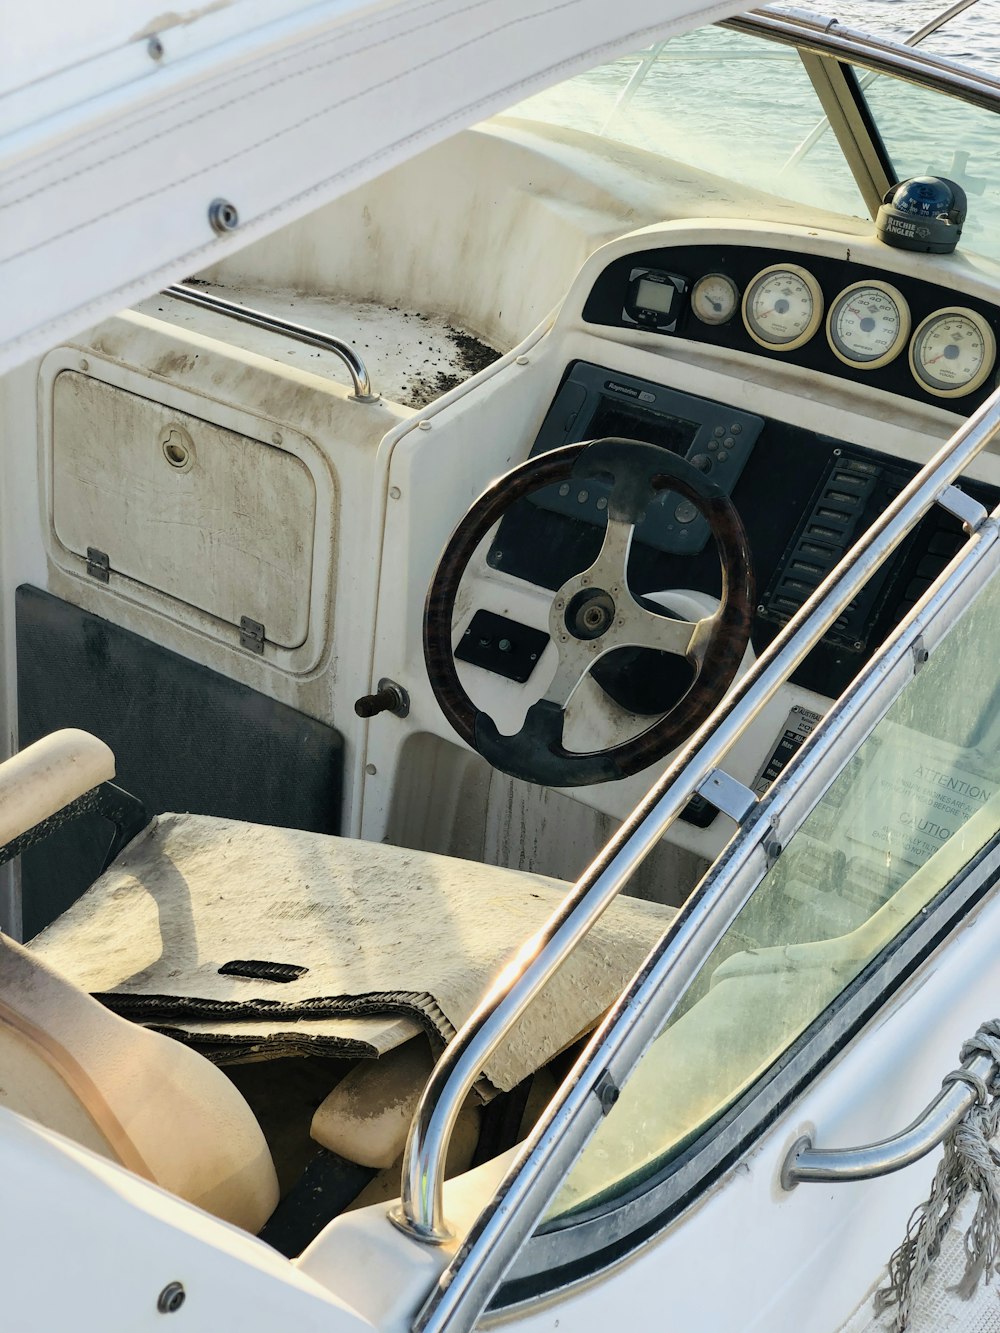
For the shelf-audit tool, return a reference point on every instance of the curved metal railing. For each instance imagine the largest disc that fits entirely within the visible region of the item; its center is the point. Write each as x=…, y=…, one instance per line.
x=259, y=319
x=870, y=1160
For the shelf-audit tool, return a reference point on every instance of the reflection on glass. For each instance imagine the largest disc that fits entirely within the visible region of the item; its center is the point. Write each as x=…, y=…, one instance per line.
x=719, y=101
x=917, y=801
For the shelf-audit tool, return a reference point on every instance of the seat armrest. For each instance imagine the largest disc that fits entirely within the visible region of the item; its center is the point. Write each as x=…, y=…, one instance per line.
x=49, y=775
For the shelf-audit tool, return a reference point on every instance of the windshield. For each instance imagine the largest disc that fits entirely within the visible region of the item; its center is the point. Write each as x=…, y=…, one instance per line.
x=718, y=100
x=919, y=798
x=925, y=134
x=744, y=108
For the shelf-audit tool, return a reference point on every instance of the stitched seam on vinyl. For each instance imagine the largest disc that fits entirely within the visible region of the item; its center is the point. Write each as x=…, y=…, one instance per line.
x=279, y=134
x=215, y=89
x=458, y=117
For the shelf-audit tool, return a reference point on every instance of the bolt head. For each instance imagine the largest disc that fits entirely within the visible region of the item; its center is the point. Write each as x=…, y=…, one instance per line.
x=171, y=1298
x=223, y=216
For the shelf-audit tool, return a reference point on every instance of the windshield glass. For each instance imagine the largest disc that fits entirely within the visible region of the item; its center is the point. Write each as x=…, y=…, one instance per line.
x=745, y=109
x=919, y=798
x=926, y=134
x=729, y=104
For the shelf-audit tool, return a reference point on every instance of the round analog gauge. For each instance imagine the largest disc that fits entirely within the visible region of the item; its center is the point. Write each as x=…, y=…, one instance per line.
x=952, y=352
x=715, y=298
x=868, y=325
x=783, y=307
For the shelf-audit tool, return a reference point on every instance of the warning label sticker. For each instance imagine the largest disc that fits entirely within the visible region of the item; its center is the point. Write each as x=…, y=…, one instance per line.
x=906, y=794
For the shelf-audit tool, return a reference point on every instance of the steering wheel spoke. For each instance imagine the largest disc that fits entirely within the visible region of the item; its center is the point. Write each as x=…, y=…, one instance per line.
x=575, y=661
x=644, y=629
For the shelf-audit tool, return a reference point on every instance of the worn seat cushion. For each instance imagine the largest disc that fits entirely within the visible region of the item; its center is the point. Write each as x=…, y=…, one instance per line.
x=346, y=930
x=138, y=1098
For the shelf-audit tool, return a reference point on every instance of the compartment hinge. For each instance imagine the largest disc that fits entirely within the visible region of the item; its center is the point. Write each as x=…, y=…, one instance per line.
x=98, y=565
x=251, y=634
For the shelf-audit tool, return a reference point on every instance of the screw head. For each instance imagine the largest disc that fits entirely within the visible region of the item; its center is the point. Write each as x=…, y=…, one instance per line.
x=171, y=1298
x=223, y=216
x=394, y=492
x=154, y=48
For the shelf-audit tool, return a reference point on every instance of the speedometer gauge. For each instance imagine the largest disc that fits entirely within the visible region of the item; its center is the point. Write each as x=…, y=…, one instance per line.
x=952, y=352
x=783, y=307
x=868, y=325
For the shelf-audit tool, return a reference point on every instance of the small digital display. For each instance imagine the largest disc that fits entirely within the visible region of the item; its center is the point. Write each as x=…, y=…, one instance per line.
x=614, y=418
x=658, y=296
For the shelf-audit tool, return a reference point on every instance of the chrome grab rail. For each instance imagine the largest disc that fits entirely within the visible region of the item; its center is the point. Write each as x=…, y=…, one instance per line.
x=806, y=1163
x=420, y=1211
x=259, y=319
x=828, y=37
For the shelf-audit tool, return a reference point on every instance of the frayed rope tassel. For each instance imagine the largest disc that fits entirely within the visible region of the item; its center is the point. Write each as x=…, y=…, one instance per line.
x=970, y=1162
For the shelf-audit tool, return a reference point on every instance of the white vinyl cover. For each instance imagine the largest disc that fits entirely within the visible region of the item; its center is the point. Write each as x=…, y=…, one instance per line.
x=113, y=149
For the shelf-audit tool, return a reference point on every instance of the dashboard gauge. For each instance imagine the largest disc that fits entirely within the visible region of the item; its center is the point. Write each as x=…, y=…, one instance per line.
x=868, y=325
x=783, y=307
x=715, y=298
x=952, y=352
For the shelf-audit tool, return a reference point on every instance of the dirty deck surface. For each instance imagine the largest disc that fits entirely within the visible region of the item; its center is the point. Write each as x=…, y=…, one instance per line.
x=412, y=357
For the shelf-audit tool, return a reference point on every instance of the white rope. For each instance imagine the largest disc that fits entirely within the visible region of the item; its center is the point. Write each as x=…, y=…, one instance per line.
x=970, y=1162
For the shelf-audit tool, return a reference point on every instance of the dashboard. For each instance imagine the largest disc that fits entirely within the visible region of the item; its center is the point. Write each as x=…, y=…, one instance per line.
x=805, y=493
x=906, y=336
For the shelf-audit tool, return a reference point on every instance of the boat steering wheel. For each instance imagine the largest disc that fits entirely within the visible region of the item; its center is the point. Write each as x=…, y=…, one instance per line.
x=594, y=612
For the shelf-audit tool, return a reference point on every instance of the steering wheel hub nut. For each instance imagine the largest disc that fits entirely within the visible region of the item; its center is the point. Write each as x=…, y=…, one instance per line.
x=590, y=613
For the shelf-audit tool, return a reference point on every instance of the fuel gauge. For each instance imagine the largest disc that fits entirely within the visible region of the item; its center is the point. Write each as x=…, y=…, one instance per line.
x=715, y=298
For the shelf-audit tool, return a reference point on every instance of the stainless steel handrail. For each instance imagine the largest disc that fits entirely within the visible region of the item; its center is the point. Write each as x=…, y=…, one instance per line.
x=468, y=1282
x=420, y=1212
x=259, y=319
x=806, y=1163
x=827, y=37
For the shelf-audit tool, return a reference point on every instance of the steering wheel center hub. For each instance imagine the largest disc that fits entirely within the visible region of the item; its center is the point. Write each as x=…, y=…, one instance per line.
x=590, y=613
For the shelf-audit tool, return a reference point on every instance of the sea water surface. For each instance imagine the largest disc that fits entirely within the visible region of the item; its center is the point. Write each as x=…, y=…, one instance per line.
x=973, y=37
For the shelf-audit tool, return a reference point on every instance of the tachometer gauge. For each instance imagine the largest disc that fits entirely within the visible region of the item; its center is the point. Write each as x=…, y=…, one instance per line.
x=715, y=298
x=952, y=352
x=868, y=325
x=783, y=307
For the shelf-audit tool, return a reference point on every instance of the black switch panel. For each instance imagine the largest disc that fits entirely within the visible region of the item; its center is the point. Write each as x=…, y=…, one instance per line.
x=503, y=646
